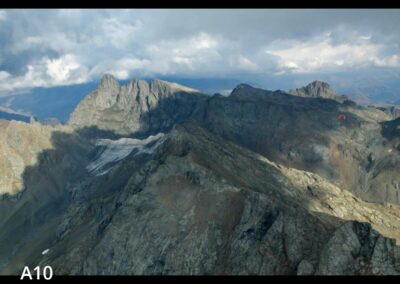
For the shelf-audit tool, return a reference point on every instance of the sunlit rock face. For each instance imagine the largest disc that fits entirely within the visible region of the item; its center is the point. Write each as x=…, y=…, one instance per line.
x=21, y=147
x=20, y=144
x=317, y=89
x=138, y=106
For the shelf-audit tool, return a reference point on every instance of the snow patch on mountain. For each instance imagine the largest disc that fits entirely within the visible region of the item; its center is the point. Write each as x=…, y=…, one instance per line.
x=116, y=150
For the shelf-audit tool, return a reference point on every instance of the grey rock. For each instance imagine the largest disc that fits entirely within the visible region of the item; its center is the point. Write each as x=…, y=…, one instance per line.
x=392, y=111
x=138, y=107
x=355, y=248
x=318, y=89
x=305, y=268
x=304, y=133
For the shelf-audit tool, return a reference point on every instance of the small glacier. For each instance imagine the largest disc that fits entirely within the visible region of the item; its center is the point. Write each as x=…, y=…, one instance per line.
x=116, y=150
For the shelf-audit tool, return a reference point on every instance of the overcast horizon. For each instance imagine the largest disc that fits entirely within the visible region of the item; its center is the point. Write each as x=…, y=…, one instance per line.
x=44, y=48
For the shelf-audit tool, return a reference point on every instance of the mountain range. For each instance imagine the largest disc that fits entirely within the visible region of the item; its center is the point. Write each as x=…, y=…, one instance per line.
x=9, y=114
x=159, y=178
x=57, y=103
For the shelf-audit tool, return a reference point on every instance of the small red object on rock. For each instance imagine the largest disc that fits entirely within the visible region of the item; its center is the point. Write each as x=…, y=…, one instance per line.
x=341, y=117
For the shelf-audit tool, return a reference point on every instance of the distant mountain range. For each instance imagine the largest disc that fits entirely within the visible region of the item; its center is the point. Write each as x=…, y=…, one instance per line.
x=45, y=103
x=59, y=102
x=9, y=114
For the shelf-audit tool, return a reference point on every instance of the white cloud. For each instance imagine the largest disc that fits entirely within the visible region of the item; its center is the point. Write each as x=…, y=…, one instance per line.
x=246, y=64
x=190, y=53
x=320, y=54
x=69, y=45
x=119, y=34
x=69, y=13
x=202, y=53
x=122, y=68
x=4, y=75
x=60, y=42
x=365, y=37
x=46, y=72
x=388, y=61
x=3, y=15
x=62, y=69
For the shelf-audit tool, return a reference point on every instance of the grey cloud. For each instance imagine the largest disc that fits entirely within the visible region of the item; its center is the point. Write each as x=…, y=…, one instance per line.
x=62, y=46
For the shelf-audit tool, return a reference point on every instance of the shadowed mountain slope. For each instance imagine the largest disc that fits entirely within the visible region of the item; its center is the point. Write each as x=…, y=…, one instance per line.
x=260, y=182
x=178, y=211
x=339, y=141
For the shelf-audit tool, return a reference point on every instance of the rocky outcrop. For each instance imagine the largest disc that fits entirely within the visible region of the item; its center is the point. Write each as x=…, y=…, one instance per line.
x=318, y=89
x=355, y=248
x=392, y=111
x=138, y=107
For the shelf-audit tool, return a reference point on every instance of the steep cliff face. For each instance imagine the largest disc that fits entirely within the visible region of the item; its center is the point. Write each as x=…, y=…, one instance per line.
x=138, y=107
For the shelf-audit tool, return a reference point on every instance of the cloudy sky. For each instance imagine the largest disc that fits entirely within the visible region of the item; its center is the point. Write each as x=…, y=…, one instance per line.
x=40, y=48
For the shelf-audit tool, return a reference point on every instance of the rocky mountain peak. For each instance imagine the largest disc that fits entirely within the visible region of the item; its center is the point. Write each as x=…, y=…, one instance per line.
x=136, y=87
x=318, y=89
x=108, y=82
x=242, y=86
x=243, y=90
x=248, y=92
x=318, y=84
x=126, y=109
